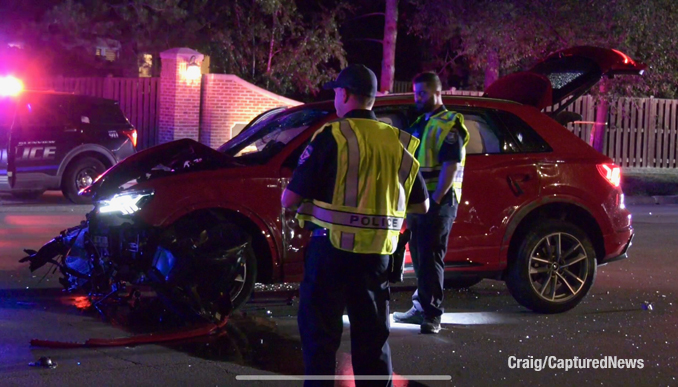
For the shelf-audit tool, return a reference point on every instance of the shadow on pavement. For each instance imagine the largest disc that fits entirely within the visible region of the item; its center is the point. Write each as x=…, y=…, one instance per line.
x=247, y=339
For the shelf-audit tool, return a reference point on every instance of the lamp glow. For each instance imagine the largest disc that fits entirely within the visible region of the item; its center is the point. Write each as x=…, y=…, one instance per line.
x=10, y=86
x=193, y=71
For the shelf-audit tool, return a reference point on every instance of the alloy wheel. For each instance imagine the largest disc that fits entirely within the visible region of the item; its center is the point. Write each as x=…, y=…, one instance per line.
x=558, y=267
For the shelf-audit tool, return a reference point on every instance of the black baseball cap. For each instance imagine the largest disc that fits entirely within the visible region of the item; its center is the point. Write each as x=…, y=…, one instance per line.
x=357, y=78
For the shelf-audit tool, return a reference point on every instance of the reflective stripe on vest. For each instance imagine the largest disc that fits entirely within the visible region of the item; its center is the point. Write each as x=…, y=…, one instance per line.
x=376, y=222
x=436, y=130
x=370, y=196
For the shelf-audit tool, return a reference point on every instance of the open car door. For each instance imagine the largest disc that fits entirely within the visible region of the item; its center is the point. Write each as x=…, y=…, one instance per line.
x=568, y=73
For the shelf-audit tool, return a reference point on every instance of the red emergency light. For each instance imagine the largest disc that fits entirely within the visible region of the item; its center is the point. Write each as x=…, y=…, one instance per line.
x=10, y=86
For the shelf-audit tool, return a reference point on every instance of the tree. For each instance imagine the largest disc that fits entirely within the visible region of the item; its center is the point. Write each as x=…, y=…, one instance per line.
x=273, y=44
x=497, y=37
x=267, y=42
x=389, y=45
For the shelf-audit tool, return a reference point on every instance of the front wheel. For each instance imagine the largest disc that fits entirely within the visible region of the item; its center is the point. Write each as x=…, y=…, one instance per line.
x=245, y=280
x=553, y=268
x=81, y=174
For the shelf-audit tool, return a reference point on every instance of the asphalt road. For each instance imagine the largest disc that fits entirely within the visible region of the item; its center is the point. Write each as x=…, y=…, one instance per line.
x=483, y=329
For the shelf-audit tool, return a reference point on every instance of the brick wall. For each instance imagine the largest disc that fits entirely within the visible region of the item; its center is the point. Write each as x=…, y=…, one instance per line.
x=179, y=102
x=227, y=101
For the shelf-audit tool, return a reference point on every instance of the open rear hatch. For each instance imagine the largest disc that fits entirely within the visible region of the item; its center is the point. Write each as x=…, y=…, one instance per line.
x=568, y=73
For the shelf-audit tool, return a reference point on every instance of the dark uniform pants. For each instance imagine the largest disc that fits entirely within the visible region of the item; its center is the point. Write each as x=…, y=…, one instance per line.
x=334, y=280
x=430, y=233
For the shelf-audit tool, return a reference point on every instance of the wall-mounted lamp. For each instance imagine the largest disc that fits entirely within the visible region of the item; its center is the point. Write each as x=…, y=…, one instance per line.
x=193, y=69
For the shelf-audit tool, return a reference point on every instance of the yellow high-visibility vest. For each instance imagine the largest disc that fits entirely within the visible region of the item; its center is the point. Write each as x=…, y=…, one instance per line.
x=376, y=170
x=432, y=139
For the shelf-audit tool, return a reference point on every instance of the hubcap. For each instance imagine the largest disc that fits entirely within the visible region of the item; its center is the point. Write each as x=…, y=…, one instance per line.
x=85, y=178
x=558, y=267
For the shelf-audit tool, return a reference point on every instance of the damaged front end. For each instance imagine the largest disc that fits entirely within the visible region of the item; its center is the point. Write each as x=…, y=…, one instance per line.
x=195, y=266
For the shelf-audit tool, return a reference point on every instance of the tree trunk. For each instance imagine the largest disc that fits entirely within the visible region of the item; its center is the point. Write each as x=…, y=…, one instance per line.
x=272, y=45
x=599, y=129
x=492, y=68
x=389, y=46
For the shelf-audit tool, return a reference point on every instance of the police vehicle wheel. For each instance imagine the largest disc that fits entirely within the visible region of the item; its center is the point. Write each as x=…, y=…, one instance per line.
x=27, y=195
x=554, y=267
x=79, y=175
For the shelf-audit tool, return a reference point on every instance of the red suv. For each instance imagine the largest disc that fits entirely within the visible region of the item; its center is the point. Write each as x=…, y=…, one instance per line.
x=541, y=209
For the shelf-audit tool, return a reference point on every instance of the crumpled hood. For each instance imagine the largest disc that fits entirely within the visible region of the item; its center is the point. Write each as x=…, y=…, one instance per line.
x=169, y=159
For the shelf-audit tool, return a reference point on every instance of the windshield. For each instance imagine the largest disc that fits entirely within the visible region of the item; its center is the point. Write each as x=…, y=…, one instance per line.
x=260, y=142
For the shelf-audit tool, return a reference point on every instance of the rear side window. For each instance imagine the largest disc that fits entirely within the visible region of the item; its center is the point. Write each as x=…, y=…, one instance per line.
x=43, y=111
x=99, y=114
x=525, y=138
x=484, y=135
x=487, y=135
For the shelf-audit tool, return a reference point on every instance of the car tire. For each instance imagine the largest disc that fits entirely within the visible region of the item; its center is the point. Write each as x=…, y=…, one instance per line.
x=461, y=283
x=554, y=267
x=246, y=279
x=27, y=195
x=79, y=174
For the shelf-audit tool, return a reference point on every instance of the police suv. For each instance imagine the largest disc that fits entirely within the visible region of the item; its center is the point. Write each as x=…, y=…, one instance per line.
x=52, y=141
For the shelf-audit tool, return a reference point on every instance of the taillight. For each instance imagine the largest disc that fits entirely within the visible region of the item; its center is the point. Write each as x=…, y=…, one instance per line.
x=611, y=173
x=132, y=134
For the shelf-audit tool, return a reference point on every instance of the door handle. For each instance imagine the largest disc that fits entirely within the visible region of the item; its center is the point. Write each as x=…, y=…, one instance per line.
x=513, y=181
x=70, y=130
x=520, y=177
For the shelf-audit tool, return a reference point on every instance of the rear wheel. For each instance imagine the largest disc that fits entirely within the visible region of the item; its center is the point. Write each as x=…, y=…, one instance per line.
x=80, y=174
x=554, y=267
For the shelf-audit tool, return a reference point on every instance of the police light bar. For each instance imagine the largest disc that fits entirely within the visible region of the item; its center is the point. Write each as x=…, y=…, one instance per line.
x=10, y=86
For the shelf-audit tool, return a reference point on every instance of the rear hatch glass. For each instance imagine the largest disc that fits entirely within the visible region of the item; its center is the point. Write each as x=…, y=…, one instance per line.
x=99, y=113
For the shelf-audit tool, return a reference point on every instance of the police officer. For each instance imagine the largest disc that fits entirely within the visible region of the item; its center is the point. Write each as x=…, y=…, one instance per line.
x=353, y=184
x=441, y=156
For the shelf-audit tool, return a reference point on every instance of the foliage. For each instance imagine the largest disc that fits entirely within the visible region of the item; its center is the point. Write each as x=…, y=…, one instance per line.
x=273, y=44
x=268, y=42
x=518, y=32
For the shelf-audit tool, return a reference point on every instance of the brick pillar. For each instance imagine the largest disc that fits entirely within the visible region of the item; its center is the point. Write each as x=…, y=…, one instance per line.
x=179, y=96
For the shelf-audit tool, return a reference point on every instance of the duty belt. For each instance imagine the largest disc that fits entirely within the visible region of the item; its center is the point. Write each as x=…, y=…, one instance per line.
x=320, y=232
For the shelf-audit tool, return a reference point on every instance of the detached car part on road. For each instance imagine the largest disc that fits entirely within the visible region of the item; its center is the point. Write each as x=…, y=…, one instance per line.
x=59, y=141
x=541, y=208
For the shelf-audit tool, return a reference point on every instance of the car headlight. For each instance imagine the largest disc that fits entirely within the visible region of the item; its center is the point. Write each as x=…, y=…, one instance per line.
x=126, y=203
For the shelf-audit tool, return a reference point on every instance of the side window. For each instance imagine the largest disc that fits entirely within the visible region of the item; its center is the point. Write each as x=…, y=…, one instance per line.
x=526, y=139
x=292, y=160
x=397, y=116
x=484, y=136
x=99, y=113
x=42, y=113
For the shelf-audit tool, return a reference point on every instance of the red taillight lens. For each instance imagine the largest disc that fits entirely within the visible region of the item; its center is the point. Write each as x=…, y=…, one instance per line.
x=132, y=134
x=611, y=173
